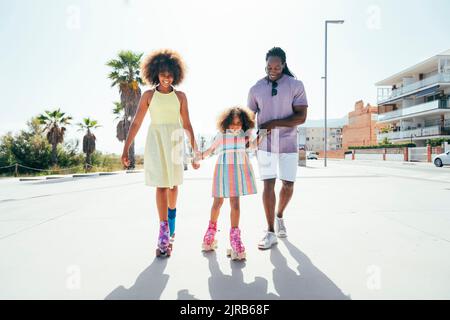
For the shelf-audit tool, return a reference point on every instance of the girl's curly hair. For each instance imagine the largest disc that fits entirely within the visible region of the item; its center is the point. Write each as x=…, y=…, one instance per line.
x=225, y=119
x=162, y=61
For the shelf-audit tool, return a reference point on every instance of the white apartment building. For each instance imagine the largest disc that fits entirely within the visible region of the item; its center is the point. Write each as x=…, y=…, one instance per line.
x=414, y=104
x=315, y=139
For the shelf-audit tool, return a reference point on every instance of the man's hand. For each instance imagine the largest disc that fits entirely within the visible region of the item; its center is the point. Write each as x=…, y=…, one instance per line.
x=269, y=125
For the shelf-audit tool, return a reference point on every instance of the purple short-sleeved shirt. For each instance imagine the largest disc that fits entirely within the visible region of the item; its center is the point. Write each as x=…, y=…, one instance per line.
x=291, y=92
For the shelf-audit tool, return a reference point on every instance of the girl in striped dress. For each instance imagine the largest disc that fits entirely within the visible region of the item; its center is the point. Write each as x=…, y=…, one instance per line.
x=233, y=174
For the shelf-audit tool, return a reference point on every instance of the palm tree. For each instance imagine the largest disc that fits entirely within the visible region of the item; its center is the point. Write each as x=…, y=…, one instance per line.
x=126, y=75
x=88, y=139
x=118, y=111
x=54, y=122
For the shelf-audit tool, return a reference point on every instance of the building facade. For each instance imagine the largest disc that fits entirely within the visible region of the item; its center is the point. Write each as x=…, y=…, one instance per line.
x=362, y=126
x=413, y=105
x=315, y=139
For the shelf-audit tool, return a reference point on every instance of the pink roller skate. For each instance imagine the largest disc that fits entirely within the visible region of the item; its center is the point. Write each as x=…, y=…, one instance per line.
x=209, y=243
x=237, y=251
x=164, y=246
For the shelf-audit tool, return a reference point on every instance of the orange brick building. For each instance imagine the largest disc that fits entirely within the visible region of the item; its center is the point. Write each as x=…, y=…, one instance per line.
x=362, y=126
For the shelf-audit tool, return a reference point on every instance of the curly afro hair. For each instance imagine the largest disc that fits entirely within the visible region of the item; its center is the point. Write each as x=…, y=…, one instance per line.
x=225, y=119
x=162, y=61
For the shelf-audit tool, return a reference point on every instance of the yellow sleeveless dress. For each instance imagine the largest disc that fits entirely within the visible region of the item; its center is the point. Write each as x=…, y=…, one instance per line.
x=164, y=146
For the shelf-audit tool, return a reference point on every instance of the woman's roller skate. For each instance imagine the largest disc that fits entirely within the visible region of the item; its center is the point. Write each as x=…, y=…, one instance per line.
x=164, y=246
x=209, y=243
x=237, y=251
x=172, y=214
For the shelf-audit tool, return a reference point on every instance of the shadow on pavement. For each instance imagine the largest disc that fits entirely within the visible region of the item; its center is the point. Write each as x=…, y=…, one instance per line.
x=225, y=287
x=309, y=284
x=185, y=295
x=149, y=285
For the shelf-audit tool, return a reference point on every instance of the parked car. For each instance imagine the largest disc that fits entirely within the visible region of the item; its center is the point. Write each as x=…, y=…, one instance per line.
x=442, y=159
x=312, y=155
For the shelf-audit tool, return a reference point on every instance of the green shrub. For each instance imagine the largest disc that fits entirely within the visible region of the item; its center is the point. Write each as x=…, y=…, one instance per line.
x=437, y=142
x=385, y=142
x=26, y=149
x=30, y=148
x=69, y=156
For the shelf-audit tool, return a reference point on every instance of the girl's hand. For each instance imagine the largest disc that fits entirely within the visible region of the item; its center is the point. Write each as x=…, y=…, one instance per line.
x=195, y=165
x=263, y=133
x=196, y=160
x=125, y=160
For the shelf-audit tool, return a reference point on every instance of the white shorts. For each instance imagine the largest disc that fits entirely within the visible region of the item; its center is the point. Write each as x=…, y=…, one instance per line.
x=284, y=163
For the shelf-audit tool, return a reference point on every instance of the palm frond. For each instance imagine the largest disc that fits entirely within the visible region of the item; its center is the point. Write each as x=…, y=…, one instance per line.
x=113, y=75
x=118, y=107
x=115, y=64
x=125, y=69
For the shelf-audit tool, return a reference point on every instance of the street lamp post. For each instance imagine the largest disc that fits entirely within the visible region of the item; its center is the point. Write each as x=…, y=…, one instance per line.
x=325, y=77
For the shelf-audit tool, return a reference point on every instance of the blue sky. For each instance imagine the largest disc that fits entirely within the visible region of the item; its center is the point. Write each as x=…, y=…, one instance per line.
x=53, y=52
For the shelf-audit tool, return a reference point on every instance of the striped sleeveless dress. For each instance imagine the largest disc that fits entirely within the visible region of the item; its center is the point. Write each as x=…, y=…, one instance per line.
x=164, y=146
x=233, y=172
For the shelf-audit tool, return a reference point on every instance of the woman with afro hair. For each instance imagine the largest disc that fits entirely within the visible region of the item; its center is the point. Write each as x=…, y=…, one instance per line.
x=164, y=152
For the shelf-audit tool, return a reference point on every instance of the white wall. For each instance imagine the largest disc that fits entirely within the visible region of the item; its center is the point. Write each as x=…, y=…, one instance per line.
x=417, y=154
x=395, y=157
x=368, y=157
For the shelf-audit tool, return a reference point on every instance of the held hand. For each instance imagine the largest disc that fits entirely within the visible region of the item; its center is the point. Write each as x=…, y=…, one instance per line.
x=269, y=125
x=125, y=160
x=197, y=156
x=195, y=165
x=196, y=160
x=261, y=134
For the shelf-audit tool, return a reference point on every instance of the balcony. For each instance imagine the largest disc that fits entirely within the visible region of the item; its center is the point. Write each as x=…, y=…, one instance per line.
x=440, y=78
x=419, y=132
x=429, y=106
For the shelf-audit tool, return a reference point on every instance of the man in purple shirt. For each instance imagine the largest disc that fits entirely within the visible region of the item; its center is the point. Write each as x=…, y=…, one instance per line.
x=279, y=101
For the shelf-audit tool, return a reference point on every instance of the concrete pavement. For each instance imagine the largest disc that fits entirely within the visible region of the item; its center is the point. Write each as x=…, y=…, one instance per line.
x=357, y=230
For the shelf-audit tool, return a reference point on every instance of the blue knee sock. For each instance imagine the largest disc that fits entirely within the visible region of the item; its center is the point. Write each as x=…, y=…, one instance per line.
x=172, y=216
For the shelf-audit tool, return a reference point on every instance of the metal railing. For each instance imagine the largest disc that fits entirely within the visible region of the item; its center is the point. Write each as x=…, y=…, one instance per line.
x=428, y=106
x=438, y=78
x=419, y=132
x=14, y=168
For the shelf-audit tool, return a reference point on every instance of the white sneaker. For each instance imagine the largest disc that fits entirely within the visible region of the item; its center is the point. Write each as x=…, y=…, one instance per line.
x=280, y=228
x=268, y=241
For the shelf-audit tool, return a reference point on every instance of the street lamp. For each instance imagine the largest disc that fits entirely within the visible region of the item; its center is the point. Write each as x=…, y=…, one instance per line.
x=325, y=77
